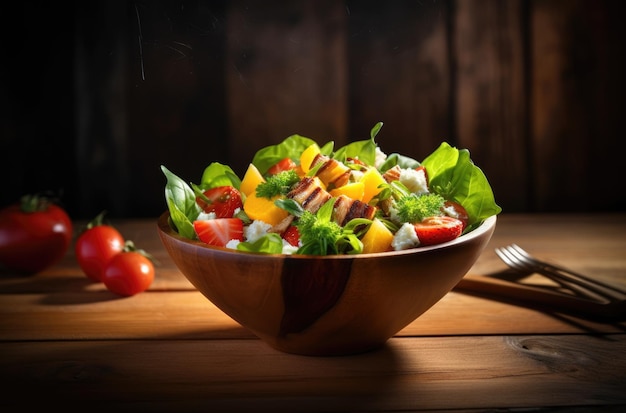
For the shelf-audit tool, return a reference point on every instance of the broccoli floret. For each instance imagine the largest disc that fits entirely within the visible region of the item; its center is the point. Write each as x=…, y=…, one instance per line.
x=279, y=184
x=318, y=234
x=414, y=208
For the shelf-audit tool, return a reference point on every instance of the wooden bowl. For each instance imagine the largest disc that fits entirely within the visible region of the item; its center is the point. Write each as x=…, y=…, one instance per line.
x=330, y=305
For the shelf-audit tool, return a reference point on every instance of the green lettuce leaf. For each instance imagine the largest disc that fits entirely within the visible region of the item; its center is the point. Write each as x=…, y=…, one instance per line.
x=270, y=243
x=453, y=175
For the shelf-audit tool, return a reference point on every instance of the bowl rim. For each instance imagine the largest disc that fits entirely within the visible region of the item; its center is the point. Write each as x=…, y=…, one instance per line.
x=488, y=223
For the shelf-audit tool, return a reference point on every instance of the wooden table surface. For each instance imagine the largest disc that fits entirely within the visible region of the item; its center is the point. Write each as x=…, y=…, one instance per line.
x=67, y=342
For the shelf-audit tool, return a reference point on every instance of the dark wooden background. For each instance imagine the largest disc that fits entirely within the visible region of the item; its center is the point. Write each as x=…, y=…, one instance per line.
x=97, y=95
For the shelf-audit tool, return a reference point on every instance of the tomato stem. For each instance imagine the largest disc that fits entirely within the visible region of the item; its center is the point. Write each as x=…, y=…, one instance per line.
x=33, y=203
x=129, y=246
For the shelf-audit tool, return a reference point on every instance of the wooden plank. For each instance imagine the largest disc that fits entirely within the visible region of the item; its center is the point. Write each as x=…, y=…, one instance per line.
x=577, y=95
x=61, y=302
x=242, y=375
x=490, y=95
x=96, y=315
x=285, y=74
x=176, y=115
x=399, y=74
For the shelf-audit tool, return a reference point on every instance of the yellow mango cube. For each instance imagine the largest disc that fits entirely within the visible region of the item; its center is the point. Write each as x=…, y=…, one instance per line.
x=377, y=238
x=354, y=190
x=263, y=209
x=251, y=180
x=307, y=156
x=371, y=180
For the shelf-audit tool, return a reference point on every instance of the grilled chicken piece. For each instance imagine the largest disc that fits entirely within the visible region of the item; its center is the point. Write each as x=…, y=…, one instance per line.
x=282, y=225
x=392, y=174
x=346, y=209
x=309, y=194
x=332, y=172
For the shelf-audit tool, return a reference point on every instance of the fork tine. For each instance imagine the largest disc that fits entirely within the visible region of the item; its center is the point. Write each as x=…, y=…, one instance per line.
x=565, y=277
x=565, y=272
x=512, y=260
x=522, y=254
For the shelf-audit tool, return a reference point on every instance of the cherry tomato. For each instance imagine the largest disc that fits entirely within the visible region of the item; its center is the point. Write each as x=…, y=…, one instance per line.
x=128, y=273
x=284, y=164
x=34, y=234
x=96, y=246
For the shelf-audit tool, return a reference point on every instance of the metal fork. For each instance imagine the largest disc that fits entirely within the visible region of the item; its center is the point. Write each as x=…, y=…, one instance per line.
x=520, y=260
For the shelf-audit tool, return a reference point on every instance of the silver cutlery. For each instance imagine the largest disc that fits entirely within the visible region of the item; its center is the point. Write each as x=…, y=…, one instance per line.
x=517, y=258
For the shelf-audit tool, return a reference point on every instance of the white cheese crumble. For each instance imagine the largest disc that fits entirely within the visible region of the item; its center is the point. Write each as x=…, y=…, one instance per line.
x=232, y=244
x=288, y=248
x=255, y=230
x=414, y=180
x=451, y=212
x=405, y=238
x=203, y=216
x=381, y=157
x=355, y=175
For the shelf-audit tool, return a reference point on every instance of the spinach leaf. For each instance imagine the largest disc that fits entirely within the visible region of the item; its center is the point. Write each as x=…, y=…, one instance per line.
x=217, y=174
x=292, y=147
x=453, y=175
x=364, y=150
x=181, y=202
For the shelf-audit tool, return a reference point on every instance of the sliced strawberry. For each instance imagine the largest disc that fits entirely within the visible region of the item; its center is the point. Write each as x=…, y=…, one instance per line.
x=435, y=230
x=284, y=164
x=219, y=231
x=221, y=200
x=291, y=235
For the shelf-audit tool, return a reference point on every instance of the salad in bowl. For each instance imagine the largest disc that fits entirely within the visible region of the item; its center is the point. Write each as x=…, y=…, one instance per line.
x=301, y=198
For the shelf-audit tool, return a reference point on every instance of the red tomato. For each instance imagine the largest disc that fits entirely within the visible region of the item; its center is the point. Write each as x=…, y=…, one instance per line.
x=96, y=246
x=284, y=164
x=128, y=273
x=221, y=200
x=34, y=235
x=219, y=231
x=435, y=230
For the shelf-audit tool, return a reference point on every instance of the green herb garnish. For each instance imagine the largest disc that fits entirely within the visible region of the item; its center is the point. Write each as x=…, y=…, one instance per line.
x=279, y=184
x=320, y=235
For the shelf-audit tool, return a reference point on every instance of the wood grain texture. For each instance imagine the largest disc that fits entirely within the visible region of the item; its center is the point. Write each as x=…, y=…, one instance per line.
x=73, y=344
x=285, y=74
x=175, y=94
x=242, y=375
x=62, y=297
x=576, y=69
x=490, y=97
x=534, y=89
x=399, y=74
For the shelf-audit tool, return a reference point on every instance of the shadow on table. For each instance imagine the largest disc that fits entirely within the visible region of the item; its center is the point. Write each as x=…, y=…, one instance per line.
x=172, y=373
